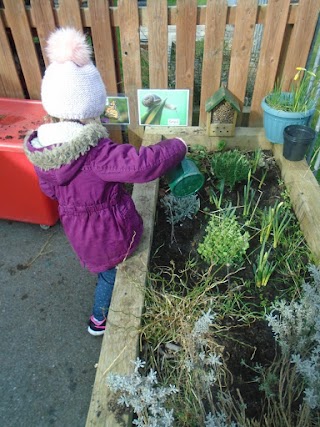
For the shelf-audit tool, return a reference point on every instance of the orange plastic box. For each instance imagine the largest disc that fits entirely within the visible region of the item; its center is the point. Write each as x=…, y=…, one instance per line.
x=21, y=198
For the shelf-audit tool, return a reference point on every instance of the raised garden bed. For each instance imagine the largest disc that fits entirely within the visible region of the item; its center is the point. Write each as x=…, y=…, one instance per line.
x=120, y=343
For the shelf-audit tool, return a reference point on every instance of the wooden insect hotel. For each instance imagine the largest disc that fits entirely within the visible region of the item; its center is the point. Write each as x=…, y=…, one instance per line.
x=222, y=109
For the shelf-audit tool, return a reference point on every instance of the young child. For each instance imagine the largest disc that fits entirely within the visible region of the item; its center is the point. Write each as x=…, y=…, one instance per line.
x=78, y=165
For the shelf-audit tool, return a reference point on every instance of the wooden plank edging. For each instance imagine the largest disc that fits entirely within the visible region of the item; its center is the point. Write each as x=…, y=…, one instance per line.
x=304, y=193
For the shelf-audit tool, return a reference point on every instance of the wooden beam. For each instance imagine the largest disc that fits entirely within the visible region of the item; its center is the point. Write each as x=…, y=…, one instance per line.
x=245, y=139
x=304, y=193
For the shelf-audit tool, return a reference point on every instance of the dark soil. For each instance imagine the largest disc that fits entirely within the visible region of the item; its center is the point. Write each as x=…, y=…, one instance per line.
x=253, y=343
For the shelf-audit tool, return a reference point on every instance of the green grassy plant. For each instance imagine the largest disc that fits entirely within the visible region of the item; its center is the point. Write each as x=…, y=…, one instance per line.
x=275, y=220
x=231, y=166
x=257, y=160
x=266, y=224
x=263, y=268
x=302, y=95
x=248, y=196
x=281, y=220
x=216, y=199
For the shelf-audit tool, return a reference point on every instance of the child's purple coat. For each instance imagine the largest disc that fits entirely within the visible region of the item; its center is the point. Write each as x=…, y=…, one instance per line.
x=97, y=214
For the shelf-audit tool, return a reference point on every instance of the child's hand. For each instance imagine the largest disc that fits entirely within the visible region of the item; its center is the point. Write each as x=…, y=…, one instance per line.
x=182, y=140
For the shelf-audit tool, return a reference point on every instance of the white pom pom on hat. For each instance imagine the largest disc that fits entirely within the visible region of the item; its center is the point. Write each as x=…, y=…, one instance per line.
x=72, y=87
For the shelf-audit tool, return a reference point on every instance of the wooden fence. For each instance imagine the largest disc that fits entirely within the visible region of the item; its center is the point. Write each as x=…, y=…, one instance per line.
x=288, y=30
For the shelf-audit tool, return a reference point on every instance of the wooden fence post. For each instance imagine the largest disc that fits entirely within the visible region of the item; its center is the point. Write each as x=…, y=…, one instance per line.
x=185, y=54
x=21, y=32
x=130, y=50
x=274, y=29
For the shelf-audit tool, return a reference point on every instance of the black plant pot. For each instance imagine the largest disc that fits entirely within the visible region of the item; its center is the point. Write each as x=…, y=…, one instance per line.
x=297, y=140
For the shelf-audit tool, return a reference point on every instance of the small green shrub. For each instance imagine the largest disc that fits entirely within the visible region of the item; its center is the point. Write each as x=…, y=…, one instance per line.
x=224, y=243
x=231, y=166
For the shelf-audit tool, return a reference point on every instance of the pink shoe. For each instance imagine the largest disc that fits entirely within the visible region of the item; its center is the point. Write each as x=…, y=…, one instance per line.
x=95, y=327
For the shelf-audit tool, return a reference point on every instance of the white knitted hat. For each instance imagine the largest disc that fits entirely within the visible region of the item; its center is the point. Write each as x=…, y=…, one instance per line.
x=72, y=87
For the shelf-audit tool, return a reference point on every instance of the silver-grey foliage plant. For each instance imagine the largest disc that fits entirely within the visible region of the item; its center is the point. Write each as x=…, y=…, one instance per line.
x=144, y=396
x=148, y=399
x=177, y=209
x=296, y=326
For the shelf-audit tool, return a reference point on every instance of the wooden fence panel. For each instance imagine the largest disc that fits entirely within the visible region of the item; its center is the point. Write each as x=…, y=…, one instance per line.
x=158, y=43
x=216, y=19
x=246, y=16
x=69, y=14
x=103, y=44
x=22, y=36
x=102, y=39
x=185, y=53
x=301, y=39
x=10, y=85
x=130, y=47
x=273, y=33
x=285, y=45
x=44, y=21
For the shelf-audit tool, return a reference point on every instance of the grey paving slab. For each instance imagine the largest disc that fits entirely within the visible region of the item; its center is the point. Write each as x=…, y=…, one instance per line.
x=48, y=359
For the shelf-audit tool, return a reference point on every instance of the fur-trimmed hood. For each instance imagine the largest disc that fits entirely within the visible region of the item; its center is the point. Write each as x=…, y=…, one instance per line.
x=60, y=148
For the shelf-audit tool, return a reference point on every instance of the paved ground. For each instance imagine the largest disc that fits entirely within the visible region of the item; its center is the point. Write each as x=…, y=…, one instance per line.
x=47, y=357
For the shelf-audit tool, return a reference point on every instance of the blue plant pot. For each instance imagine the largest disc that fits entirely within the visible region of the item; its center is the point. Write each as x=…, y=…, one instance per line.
x=275, y=121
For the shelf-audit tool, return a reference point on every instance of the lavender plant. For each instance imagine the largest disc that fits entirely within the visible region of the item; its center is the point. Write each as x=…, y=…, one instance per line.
x=144, y=396
x=296, y=326
x=177, y=209
x=218, y=420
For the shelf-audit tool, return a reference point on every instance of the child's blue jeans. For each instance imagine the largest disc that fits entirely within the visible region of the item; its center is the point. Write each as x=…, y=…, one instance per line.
x=103, y=293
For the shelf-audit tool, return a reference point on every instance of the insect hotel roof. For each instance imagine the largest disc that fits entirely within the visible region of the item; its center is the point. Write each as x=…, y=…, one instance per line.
x=222, y=94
